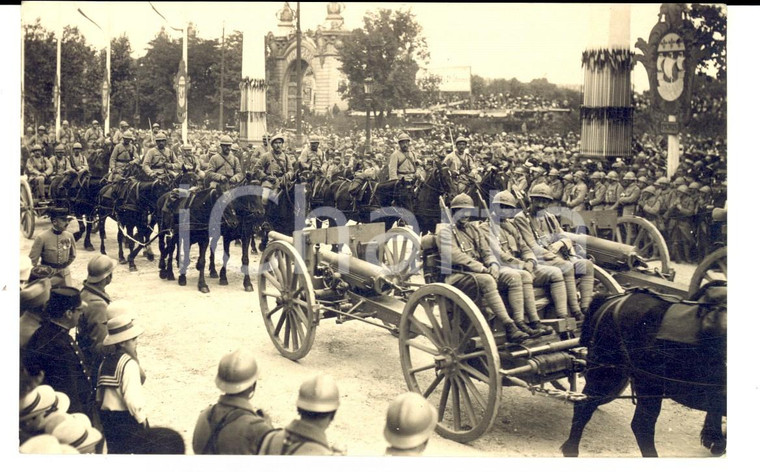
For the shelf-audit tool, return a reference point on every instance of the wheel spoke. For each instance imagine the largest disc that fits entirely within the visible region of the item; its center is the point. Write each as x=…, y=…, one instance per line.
x=474, y=372
x=294, y=331
x=426, y=331
x=271, y=278
x=468, y=409
x=279, y=325
x=270, y=294
x=438, y=336
x=456, y=412
x=302, y=315
x=444, y=398
x=475, y=393
x=444, y=312
x=286, y=316
x=421, y=368
x=466, y=337
x=278, y=306
x=416, y=345
x=433, y=385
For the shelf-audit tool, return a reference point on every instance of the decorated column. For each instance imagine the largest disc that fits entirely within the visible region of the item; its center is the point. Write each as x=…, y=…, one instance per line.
x=607, y=113
x=253, y=96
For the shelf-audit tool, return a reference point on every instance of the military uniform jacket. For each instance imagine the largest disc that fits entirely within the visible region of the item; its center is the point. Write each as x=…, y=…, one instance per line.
x=537, y=231
x=597, y=196
x=577, y=200
x=274, y=165
x=402, y=164
x=121, y=156
x=220, y=166
x=191, y=162
x=158, y=160
x=629, y=197
x=58, y=166
x=612, y=194
x=507, y=244
x=567, y=192
x=53, y=249
x=91, y=136
x=53, y=351
x=242, y=428
x=312, y=160
x=557, y=188
x=37, y=166
x=459, y=164
x=297, y=439
x=79, y=162
x=651, y=206
x=468, y=246
x=92, y=330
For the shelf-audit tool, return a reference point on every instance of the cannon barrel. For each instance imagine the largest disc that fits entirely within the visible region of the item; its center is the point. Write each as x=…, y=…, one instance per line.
x=359, y=274
x=610, y=255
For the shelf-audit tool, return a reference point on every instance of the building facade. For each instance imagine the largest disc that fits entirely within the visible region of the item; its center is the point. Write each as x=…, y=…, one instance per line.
x=319, y=62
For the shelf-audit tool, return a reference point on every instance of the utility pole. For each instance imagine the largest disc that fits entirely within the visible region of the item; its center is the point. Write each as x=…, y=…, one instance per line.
x=221, y=87
x=184, y=63
x=299, y=85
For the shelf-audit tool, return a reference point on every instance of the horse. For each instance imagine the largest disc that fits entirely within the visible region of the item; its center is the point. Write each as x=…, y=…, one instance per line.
x=668, y=349
x=282, y=210
x=437, y=183
x=239, y=220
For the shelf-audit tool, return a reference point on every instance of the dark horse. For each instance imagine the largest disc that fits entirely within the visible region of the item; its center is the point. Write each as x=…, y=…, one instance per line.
x=668, y=349
x=437, y=183
x=284, y=205
x=241, y=216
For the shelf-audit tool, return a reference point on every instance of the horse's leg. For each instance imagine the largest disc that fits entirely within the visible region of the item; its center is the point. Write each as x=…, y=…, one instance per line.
x=225, y=258
x=102, y=233
x=137, y=235
x=171, y=247
x=78, y=234
x=247, y=237
x=162, y=256
x=202, y=246
x=212, y=259
x=648, y=406
x=120, y=240
x=252, y=239
x=601, y=383
x=183, y=258
x=712, y=433
x=88, y=231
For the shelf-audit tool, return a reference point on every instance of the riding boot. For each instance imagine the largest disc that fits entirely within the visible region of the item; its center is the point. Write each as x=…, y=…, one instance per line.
x=540, y=327
x=559, y=297
x=527, y=329
x=493, y=300
x=514, y=335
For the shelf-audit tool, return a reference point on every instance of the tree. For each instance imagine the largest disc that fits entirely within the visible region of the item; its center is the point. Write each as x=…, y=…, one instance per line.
x=710, y=35
x=123, y=86
x=158, y=101
x=39, y=73
x=387, y=50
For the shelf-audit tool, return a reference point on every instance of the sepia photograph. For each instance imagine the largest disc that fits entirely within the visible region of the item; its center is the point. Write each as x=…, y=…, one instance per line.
x=460, y=230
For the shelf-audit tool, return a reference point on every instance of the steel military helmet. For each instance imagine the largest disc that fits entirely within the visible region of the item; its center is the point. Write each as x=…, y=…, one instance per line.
x=77, y=146
x=629, y=176
x=128, y=135
x=60, y=148
x=568, y=177
x=505, y=198
x=649, y=189
x=683, y=188
x=225, y=141
x=579, y=173
x=277, y=137
x=237, y=371
x=679, y=181
x=597, y=175
x=123, y=124
x=541, y=191
x=694, y=186
x=612, y=175
x=314, y=138
x=553, y=172
x=36, y=147
x=40, y=128
x=462, y=201
x=705, y=189
x=99, y=268
x=662, y=181
x=156, y=125
x=160, y=137
x=319, y=394
x=403, y=137
x=410, y=421
x=460, y=139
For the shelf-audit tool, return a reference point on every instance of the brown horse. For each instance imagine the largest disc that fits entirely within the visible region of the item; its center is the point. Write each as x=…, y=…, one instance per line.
x=668, y=349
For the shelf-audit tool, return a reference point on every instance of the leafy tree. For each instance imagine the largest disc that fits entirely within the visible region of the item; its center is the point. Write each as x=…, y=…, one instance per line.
x=158, y=102
x=710, y=35
x=123, y=86
x=387, y=50
x=39, y=73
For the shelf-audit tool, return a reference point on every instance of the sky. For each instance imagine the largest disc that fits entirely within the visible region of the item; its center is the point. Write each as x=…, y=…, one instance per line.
x=526, y=41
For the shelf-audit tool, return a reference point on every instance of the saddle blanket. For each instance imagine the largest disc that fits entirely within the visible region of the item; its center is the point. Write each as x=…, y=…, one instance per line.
x=680, y=324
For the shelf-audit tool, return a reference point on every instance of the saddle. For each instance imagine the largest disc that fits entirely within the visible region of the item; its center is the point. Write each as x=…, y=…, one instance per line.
x=681, y=324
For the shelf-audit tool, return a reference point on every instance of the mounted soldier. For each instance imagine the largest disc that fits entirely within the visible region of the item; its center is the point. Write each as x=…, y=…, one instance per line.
x=78, y=160
x=189, y=162
x=403, y=163
x=93, y=136
x=160, y=159
x=275, y=163
x=118, y=135
x=123, y=154
x=60, y=171
x=37, y=171
x=312, y=158
x=41, y=139
x=224, y=166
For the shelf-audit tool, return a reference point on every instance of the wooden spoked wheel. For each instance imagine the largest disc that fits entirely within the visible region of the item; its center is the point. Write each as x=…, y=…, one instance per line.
x=646, y=238
x=27, y=211
x=286, y=297
x=399, y=253
x=453, y=362
x=713, y=267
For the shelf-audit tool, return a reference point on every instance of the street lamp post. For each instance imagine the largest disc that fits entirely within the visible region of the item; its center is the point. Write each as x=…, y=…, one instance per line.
x=368, y=88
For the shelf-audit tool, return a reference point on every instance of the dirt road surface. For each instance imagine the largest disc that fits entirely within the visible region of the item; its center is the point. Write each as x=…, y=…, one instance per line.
x=187, y=332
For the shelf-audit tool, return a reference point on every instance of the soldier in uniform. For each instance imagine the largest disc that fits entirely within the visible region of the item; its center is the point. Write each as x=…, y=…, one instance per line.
x=78, y=160
x=91, y=330
x=650, y=204
x=459, y=161
x=119, y=133
x=579, y=194
x=60, y=172
x=556, y=185
x=539, y=178
x=312, y=158
x=520, y=183
x=567, y=191
x=67, y=134
x=335, y=167
x=55, y=248
x=53, y=351
x=318, y=401
x=41, y=138
x=37, y=171
x=189, y=162
x=682, y=212
x=629, y=197
x=123, y=154
x=464, y=242
x=409, y=423
x=598, y=193
x=258, y=152
x=93, y=135
x=233, y=425
x=150, y=140
x=542, y=232
x=614, y=189
x=275, y=163
x=160, y=159
x=224, y=166
x=403, y=163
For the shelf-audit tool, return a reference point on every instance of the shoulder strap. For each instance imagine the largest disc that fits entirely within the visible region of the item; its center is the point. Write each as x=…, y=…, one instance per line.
x=272, y=444
x=211, y=445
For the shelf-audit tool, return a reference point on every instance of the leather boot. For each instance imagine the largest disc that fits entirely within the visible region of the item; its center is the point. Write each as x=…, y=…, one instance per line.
x=579, y=317
x=514, y=335
x=527, y=329
x=540, y=327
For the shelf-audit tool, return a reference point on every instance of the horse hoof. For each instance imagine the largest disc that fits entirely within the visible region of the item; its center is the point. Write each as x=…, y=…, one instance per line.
x=568, y=451
x=122, y=260
x=133, y=268
x=103, y=251
x=162, y=274
x=213, y=275
x=249, y=288
x=170, y=276
x=223, y=282
x=203, y=288
x=149, y=256
x=89, y=247
x=77, y=236
x=182, y=280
